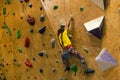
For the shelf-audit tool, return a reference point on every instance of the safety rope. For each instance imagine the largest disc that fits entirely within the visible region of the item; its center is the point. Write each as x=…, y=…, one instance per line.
x=65, y=12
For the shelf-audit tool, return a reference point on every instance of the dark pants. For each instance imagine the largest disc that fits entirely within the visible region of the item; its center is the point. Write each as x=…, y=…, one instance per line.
x=66, y=55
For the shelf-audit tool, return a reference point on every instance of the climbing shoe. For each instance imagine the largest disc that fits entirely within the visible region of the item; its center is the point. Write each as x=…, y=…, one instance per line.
x=87, y=71
x=67, y=68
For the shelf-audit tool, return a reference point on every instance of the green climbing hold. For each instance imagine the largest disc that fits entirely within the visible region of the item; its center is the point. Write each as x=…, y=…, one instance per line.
x=18, y=34
x=86, y=50
x=4, y=10
x=74, y=68
x=19, y=77
x=8, y=1
x=66, y=78
x=55, y=7
x=19, y=50
x=7, y=29
x=81, y=9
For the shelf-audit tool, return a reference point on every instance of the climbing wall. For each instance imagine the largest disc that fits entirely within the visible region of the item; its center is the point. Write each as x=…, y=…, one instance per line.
x=26, y=52
x=83, y=11
x=29, y=29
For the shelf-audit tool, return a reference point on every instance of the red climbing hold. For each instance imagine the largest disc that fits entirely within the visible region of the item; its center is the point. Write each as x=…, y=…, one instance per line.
x=28, y=63
x=31, y=20
x=27, y=42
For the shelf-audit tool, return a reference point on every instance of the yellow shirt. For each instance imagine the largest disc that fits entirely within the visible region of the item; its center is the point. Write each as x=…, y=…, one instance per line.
x=64, y=39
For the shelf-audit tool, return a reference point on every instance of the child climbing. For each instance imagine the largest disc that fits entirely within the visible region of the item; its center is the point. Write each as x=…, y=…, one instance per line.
x=68, y=49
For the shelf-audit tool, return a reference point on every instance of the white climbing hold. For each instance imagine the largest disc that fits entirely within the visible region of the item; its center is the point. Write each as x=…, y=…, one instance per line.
x=105, y=60
x=100, y=3
x=119, y=10
x=95, y=26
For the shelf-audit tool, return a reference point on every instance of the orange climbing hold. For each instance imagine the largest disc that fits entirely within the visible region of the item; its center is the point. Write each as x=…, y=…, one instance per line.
x=28, y=63
x=27, y=42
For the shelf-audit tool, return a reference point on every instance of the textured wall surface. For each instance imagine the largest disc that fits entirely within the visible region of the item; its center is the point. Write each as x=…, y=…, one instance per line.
x=12, y=62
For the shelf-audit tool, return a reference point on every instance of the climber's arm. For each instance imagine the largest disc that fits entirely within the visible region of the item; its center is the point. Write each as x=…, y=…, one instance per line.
x=68, y=25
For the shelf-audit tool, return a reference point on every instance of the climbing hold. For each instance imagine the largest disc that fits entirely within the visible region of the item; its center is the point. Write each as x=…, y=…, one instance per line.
x=30, y=20
x=27, y=42
x=41, y=54
x=86, y=50
x=2, y=59
x=2, y=65
x=28, y=63
x=119, y=9
x=14, y=29
x=43, y=44
x=17, y=63
x=43, y=0
x=5, y=45
x=42, y=18
x=74, y=68
x=28, y=77
x=27, y=70
x=13, y=14
x=46, y=55
x=19, y=50
x=30, y=5
x=4, y=10
x=57, y=60
x=81, y=9
x=70, y=36
x=8, y=51
x=8, y=1
x=33, y=58
x=55, y=7
x=18, y=34
x=61, y=78
x=21, y=1
x=26, y=0
x=35, y=77
x=42, y=29
x=53, y=69
x=53, y=43
x=60, y=51
x=66, y=78
x=7, y=29
x=41, y=70
x=31, y=30
x=50, y=34
x=19, y=77
x=14, y=60
x=41, y=8
x=7, y=64
x=21, y=17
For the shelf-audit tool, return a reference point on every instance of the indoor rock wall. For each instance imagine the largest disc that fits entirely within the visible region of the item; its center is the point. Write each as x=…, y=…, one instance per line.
x=44, y=62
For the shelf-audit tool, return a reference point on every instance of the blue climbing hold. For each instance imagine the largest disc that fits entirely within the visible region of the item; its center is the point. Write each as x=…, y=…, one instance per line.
x=42, y=29
x=42, y=18
x=30, y=5
x=41, y=70
x=40, y=54
x=33, y=58
x=21, y=1
x=31, y=30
